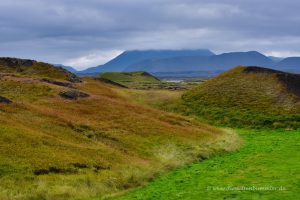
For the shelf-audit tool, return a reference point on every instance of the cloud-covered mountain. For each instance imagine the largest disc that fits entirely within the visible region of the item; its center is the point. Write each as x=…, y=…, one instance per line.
x=128, y=58
x=175, y=61
x=202, y=63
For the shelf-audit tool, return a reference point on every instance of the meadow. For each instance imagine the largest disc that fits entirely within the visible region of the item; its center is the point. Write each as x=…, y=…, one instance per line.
x=265, y=167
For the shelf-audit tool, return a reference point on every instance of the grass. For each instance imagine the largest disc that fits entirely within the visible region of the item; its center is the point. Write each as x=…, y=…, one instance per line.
x=159, y=99
x=268, y=158
x=239, y=99
x=52, y=148
x=114, y=140
x=38, y=70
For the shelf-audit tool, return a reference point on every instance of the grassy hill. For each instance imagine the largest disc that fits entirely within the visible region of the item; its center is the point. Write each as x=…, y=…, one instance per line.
x=35, y=69
x=247, y=97
x=129, y=77
x=141, y=80
x=66, y=140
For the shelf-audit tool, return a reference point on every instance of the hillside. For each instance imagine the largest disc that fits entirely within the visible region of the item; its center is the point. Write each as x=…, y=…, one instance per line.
x=213, y=63
x=128, y=58
x=35, y=69
x=66, y=140
x=247, y=97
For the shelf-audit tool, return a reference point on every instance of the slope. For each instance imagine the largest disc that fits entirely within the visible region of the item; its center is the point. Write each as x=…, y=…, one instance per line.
x=35, y=69
x=84, y=139
x=247, y=96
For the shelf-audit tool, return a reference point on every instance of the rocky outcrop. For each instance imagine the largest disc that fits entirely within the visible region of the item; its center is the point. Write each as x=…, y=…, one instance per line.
x=16, y=62
x=4, y=100
x=73, y=94
x=289, y=80
x=59, y=83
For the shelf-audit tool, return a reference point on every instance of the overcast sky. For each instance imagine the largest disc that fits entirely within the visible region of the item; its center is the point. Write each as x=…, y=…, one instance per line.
x=85, y=33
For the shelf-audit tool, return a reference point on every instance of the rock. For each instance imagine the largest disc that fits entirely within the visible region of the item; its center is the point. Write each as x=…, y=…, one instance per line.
x=16, y=62
x=59, y=83
x=4, y=100
x=73, y=94
x=72, y=77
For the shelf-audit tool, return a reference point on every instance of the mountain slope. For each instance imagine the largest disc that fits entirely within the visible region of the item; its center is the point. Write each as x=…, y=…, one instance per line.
x=94, y=143
x=202, y=63
x=289, y=64
x=248, y=96
x=127, y=58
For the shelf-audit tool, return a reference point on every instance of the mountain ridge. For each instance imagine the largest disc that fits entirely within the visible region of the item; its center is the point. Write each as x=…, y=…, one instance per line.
x=190, y=61
x=197, y=63
x=127, y=58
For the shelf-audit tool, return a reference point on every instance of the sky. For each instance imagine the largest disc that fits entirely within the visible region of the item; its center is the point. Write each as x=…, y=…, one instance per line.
x=87, y=33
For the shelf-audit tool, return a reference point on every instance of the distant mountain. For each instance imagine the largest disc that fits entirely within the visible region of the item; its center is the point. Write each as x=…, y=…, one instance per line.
x=275, y=59
x=220, y=62
x=291, y=64
x=70, y=69
x=127, y=58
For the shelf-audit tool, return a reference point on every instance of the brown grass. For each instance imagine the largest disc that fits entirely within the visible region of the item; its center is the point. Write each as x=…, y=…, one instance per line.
x=53, y=148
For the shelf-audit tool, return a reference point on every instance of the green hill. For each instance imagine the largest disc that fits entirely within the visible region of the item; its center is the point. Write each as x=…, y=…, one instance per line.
x=247, y=97
x=131, y=79
x=66, y=140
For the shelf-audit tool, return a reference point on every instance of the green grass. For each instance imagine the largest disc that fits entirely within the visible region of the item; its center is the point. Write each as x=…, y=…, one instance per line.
x=268, y=158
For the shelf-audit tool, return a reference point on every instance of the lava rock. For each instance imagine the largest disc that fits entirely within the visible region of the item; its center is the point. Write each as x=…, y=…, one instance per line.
x=73, y=94
x=59, y=83
x=4, y=100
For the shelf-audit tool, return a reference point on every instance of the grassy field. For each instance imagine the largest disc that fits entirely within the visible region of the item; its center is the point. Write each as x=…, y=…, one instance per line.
x=268, y=158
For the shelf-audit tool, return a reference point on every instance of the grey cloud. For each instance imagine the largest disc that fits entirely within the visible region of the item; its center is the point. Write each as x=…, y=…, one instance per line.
x=58, y=31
